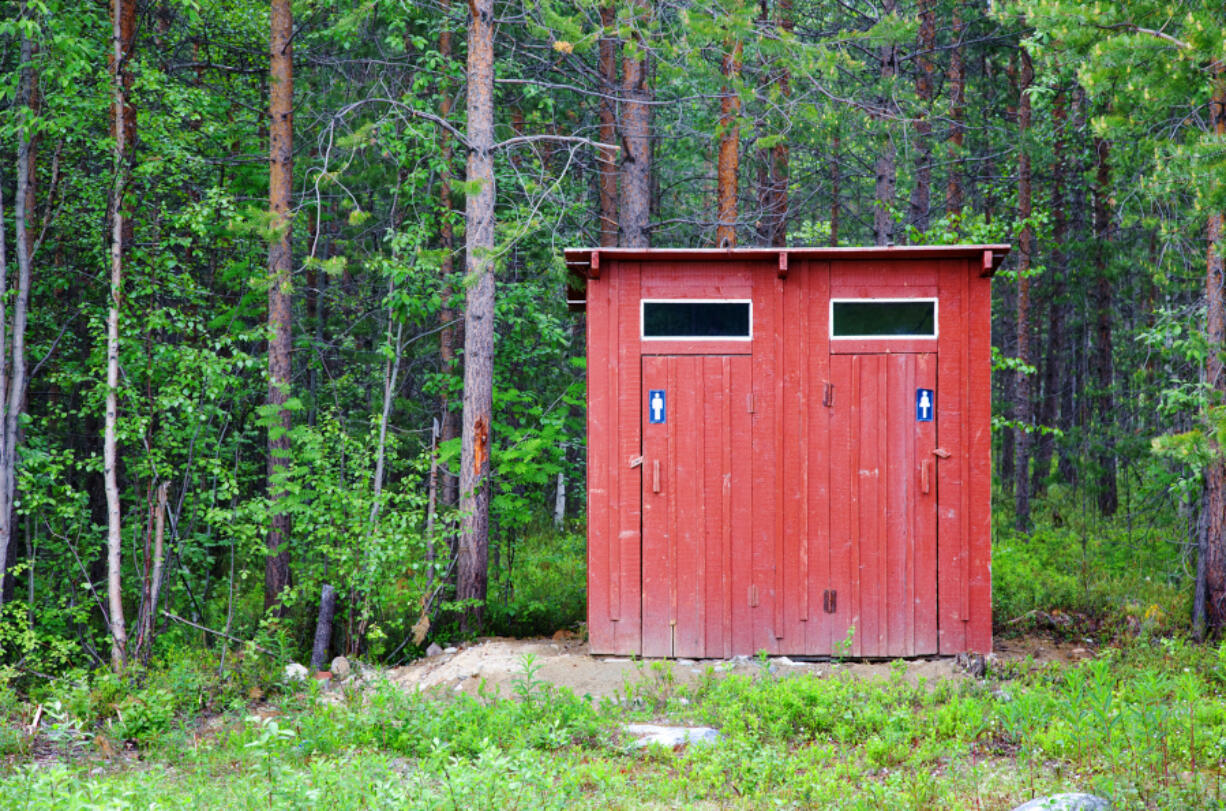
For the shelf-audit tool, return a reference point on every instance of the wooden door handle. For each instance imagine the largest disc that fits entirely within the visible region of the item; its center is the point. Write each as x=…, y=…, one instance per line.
x=924, y=483
x=655, y=476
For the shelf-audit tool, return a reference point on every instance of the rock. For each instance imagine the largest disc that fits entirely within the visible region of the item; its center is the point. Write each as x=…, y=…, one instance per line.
x=648, y=734
x=295, y=672
x=449, y=650
x=434, y=650
x=341, y=668
x=1066, y=802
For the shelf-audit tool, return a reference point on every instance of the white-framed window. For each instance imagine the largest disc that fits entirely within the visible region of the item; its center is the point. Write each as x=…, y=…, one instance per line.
x=882, y=318
x=696, y=319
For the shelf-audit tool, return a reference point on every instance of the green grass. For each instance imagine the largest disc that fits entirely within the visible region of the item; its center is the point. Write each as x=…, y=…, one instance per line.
x=1145, y=726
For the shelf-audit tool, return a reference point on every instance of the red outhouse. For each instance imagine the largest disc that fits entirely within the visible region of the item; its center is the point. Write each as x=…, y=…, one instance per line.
x=788, y=449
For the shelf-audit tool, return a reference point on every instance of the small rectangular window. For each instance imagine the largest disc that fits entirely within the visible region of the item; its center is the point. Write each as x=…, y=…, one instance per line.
x=883, y=318
x=697, y=320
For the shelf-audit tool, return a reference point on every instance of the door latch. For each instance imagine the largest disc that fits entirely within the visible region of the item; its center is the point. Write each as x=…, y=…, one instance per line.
x=830, y=601
x=636, y=461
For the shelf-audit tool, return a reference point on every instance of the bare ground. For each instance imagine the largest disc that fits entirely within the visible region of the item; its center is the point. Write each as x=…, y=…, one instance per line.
x=498, y=663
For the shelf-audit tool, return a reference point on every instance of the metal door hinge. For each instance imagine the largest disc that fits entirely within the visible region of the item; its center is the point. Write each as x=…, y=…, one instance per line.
x=830, y=601
x=828, y=395
x=749, y=403
x=753, y=595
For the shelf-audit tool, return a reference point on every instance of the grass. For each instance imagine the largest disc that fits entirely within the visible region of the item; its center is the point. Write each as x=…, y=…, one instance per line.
x=1144, y=725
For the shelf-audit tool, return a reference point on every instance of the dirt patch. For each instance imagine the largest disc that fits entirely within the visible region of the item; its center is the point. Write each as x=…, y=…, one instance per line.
x=499, y=664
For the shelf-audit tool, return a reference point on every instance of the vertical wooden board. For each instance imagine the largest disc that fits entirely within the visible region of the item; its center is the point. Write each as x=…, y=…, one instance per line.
x=743, y=467
x=978, y=499
x=871, y=506
x=686, y=491
x=656, y=598
x=600, y=538
x=952, y=472
x=628, y=429
x=899, y=471
x=925, y=521
x=778, y=591
x=845, y=489
x=795, y=453
x=716, y=483
x=765, y=437
x=817, y=448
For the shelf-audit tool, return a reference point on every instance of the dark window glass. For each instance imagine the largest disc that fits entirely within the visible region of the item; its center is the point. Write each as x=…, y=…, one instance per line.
x=884, y=318
x=696, y=319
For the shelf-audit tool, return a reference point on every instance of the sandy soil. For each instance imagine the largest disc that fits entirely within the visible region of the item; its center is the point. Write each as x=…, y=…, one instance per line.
x=565, y=662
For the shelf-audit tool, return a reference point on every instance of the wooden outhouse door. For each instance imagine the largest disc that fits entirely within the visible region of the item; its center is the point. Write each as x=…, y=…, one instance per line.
x=696, y=504
x=883, y=502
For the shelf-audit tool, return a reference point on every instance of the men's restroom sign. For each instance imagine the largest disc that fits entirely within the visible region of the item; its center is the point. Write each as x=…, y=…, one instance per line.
x=925, y=405
x=657, y=410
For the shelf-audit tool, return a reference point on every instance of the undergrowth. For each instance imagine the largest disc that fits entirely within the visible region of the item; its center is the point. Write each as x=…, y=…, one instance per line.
x=1144, y=725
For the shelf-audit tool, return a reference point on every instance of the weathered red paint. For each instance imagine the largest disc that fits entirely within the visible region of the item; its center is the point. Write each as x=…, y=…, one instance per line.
x=792, y=501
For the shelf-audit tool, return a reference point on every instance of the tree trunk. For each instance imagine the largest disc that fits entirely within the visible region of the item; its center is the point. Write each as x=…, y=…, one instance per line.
x=323, y=628
x=886, y=165
x=729, y=147
x=921, y=190
x=1103, y=367
x=636, y=138
x=607, y=158
x=1025, y=254
x=954, y=196
x=1055, y=360
x=13, y=367
x=451, y=334
x=280, y=266
x=472, y=563
x=835, y=177
x=124, y=123
x=1215, y=474
x=778, y=158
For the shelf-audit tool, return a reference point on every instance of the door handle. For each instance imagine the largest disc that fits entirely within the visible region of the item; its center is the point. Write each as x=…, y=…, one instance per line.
x=655, y=476
x=924, y=484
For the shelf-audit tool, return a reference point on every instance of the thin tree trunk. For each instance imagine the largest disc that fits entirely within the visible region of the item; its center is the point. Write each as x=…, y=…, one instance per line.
x=1103, y=366
x=636, y=139
x=473, y=559
x=779, y=162
x=13, y=366
x=280, y=266
x=607, y=158
x=1025, y=253
x=1055, y=360
x=954, y=196
x=451, y=334
x=123, y=31
x=729, y=147
x=886, y=165
x=1215, y=474
x=835, y=177
x=559, y=501
x=921, y=190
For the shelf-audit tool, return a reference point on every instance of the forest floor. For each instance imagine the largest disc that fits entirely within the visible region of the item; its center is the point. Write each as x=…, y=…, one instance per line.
x=1141, y=722
x=495, y=664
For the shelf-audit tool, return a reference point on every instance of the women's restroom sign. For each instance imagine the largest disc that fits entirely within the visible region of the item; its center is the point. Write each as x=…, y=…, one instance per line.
x=925, y=405
x=657, y=412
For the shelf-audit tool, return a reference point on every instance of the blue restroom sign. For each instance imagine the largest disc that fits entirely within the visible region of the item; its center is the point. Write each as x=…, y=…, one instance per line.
x=925, y=405
x=657, y=410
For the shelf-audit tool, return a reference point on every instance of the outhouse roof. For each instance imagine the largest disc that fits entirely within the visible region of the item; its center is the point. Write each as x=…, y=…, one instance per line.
x=587, y=260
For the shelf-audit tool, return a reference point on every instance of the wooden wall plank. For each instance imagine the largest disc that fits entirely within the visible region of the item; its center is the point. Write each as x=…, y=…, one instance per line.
x=925, y=521
x=978, y=500
x=951, y=482
x=601, y=435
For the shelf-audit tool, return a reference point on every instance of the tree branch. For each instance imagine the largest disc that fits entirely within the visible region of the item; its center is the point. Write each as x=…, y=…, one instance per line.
x=572, y=139
x=442, y=122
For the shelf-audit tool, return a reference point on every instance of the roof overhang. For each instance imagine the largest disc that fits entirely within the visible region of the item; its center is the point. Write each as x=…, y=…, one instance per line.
x=586, y=263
